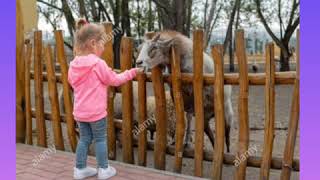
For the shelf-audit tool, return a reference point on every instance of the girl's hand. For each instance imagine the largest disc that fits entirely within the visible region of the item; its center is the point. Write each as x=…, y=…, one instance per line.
x=140, y=70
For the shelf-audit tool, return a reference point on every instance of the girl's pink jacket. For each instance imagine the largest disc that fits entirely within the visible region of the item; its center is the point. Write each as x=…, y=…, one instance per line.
x=89, y=77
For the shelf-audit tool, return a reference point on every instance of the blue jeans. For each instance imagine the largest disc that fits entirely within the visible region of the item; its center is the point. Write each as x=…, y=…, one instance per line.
x=92, y=131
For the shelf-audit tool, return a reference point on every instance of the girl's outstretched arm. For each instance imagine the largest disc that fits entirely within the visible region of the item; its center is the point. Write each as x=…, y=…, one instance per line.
x=109, y=77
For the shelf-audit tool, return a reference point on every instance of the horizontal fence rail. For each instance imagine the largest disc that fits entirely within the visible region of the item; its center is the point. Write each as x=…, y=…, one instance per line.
x=281, y=78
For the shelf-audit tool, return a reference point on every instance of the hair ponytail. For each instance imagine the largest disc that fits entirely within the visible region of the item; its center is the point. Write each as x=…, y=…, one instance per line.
x=80, y=23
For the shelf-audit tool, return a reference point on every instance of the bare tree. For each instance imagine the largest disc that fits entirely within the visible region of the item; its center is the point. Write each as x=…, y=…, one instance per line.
x=51, y=16
x=228, y=38
x=210, y=20
x=283, y=40
x=173, y=14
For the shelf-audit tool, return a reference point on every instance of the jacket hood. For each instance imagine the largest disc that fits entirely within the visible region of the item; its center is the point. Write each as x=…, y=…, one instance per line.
x=80, y=67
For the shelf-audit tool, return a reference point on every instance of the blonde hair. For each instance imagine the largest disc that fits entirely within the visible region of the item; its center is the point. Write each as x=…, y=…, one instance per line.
x=84, y=33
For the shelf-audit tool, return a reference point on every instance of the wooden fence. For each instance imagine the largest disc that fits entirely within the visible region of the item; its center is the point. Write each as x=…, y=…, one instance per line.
x=177, y=79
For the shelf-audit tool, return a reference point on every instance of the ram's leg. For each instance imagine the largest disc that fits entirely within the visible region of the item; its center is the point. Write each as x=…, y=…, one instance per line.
x=228, y=114
x=227, y=134
x=209, y=131
x=188, y=130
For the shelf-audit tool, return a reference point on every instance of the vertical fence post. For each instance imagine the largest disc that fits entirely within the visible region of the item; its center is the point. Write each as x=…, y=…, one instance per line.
x=66, y=89
x=142, y=110
x=127, y=101
x=179, y=107
x=298, y=57
x=294, y=120
x=28, y=94
x=270, y=115
x=218, y=110
x=20, y=119
x=161, y=119
x=53, y=96
x=41, y=126
x=198, y=100
x=108, y=57
x=161, y=115
x=243, y=103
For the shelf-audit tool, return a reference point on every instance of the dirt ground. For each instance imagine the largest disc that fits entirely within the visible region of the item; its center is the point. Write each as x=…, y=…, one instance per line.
x=256, y=121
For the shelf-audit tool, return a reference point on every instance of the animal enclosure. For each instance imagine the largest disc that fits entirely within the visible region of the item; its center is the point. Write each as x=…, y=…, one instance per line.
x=43, y=55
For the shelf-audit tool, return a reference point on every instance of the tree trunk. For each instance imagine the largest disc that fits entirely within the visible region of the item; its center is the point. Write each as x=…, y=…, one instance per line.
x=231, y=56
x=68, y=14
x=284, y=58
x=180, y=15
x=159, y=19
x=189, y=14
x=117, y=37
x=138, y=23
x=173, y=15
x=229, y=30
x=150, y=17
x=282, y=42
x=116, y=50
x=166, y=15
x=116, y=13
x=125, y=17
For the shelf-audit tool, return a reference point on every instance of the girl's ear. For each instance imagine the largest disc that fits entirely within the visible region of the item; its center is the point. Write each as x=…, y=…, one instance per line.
x=92, y=43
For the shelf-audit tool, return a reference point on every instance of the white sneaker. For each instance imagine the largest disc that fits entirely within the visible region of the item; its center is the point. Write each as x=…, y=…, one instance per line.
x=84, y=173
x=105, y=173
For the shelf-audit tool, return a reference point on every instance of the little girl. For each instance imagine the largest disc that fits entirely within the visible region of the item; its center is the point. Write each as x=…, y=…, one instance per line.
x=89, y=77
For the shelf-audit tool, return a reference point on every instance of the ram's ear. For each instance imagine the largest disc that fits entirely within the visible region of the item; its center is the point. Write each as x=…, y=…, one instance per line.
x=156, y=38
x=166, y=43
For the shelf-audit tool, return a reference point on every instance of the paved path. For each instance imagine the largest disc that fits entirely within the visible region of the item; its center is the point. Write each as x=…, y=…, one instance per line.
x=35, y=163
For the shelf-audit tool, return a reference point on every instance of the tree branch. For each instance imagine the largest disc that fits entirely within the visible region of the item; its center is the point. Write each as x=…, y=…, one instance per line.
x=291, y=29
x=69, y=17
x=279, y=16
x=210, y=18
x=104, y=10
x=294, y=7
x=112, y=5
x=266, y=26
x=50, y=5
x=229, y=30
x=68, y=45
x=82, y=9
x=54, y=26
x=94, y=11
x=205, y=15
x=162, y=6
x=213, y=24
